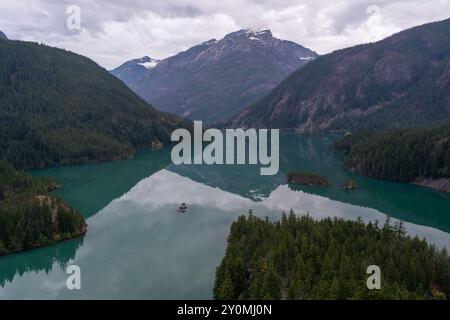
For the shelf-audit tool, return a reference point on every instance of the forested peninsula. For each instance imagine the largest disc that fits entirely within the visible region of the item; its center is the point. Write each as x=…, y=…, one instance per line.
x=419, y=155
x=302, y=258
x=29, y=216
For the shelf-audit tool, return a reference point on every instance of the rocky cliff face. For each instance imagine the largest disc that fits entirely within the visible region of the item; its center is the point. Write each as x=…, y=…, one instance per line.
x=216, y=79
x=401, y=81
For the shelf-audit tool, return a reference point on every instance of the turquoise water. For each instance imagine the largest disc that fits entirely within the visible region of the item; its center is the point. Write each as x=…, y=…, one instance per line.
x=139, y=247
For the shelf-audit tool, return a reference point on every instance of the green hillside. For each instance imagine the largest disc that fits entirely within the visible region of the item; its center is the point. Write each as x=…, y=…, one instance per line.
x=57, y=107
x=29, y=216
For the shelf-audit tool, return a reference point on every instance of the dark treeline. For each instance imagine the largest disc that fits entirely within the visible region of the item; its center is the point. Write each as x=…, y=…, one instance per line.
x=307, y=179
x=57, y=107
x=29, y=216
x=300, y=258
x=402, y=155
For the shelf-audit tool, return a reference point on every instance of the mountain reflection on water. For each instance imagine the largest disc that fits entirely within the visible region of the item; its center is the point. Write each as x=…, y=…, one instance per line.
x=138, y=246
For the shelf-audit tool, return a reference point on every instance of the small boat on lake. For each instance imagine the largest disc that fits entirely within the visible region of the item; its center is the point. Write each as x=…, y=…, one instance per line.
x=182, y=208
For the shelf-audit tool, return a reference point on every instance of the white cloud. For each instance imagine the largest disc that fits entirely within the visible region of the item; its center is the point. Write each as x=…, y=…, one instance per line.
x=115, y=30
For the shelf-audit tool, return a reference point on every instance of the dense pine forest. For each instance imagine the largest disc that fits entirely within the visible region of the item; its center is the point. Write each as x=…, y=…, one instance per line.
x=57, y=107
x=29, y=216
x=402, y=155
x=301, y=258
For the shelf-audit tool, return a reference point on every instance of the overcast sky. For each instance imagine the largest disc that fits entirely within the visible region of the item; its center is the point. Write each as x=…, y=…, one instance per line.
x=113, y=31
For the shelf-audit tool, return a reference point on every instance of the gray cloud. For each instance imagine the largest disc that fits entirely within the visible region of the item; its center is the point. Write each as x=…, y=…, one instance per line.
x=116, y=30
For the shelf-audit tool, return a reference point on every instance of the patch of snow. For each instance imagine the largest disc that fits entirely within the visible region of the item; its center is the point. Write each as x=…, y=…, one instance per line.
x=149, y=64
x=210, y=42
x=254, y=34
x=258, y=31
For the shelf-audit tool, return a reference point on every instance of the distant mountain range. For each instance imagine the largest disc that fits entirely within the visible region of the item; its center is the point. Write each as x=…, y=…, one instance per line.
x=215, y=79
x=402, y=81
x=57, y=107
x=3, y=36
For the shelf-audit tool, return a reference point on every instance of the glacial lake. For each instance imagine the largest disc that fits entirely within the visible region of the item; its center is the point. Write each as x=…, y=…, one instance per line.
x=138, y=246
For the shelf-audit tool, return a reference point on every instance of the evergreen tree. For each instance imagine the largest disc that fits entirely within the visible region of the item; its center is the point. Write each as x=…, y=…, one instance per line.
x=225, y=290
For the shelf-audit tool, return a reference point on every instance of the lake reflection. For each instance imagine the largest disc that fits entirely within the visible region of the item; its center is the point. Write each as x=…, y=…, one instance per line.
x=139, y=247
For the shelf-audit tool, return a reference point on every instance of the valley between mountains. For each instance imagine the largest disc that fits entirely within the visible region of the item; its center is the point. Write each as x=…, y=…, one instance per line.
x=86, y=174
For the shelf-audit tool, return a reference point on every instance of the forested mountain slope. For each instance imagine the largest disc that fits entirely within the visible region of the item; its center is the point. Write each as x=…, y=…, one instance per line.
x=57, y=107
x=402, y=81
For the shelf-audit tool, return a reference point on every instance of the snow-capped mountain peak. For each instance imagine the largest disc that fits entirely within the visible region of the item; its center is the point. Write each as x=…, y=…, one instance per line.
x=200, y=82
x=148, y=62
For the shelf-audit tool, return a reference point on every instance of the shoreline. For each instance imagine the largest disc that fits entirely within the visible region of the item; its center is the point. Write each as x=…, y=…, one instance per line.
x=97, y=161
x=441, y=185
x=79, y=235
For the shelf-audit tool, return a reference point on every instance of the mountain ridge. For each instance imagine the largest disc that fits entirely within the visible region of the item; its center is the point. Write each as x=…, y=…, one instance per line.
x=401, y=81
x=217, y=78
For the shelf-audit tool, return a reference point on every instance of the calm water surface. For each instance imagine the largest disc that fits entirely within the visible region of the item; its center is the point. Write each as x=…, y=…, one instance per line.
x=138, y=247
